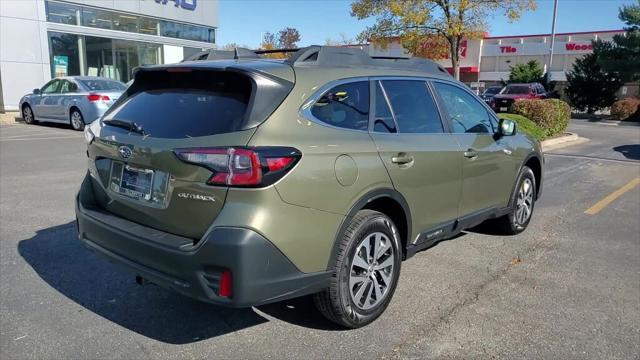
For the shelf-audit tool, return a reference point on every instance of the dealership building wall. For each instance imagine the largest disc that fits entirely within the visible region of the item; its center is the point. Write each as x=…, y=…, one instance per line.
x=42, y=39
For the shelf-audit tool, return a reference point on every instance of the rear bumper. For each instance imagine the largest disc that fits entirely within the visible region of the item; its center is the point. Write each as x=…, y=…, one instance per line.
x=260, y=272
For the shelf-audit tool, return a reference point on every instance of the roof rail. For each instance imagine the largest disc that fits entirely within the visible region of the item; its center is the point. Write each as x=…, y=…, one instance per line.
x=326, y=56
x=341, y=56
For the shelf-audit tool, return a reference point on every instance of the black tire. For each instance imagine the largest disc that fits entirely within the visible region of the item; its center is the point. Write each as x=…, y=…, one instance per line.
x=511, y=224
x=336, y=302
x=28, y=116
x=76, y=120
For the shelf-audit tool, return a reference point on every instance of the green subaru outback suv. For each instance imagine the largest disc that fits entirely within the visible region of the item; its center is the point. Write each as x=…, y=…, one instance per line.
x=246, y=181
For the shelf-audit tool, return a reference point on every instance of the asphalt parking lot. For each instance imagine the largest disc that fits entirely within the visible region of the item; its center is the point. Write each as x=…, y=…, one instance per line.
x=569, y=287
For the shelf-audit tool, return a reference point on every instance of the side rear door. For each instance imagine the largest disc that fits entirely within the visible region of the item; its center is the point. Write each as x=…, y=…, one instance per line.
x=42, y=106
x=487, y=161
x=68, y=91
x=421, y=156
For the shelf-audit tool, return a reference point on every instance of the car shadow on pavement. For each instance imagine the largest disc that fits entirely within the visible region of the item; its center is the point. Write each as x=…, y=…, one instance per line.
x=94, y=283
x=629, y=151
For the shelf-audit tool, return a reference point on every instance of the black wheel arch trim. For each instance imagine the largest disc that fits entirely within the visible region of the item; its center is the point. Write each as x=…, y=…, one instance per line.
x=538, y=181
x=361, y=204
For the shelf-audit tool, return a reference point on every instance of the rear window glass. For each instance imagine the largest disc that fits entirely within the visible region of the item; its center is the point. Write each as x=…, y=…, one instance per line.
x=102, y=85
x=183, y=105
x=516, y=90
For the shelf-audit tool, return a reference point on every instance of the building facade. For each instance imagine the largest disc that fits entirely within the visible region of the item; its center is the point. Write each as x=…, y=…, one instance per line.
x=488, y=61
x=42, y=39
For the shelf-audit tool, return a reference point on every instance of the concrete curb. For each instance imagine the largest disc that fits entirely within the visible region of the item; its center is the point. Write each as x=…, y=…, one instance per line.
x=559, y=142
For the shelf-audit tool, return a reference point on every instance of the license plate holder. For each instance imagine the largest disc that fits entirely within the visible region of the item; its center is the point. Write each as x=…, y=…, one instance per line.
x=136, y=183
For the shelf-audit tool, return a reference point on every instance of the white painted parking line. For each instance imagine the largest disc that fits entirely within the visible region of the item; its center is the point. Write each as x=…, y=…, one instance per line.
x=43, y=138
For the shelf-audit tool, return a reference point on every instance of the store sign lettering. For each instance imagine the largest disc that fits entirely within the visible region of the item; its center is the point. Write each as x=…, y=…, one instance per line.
x=577, y=47
x=185, y=4
x=508, y=49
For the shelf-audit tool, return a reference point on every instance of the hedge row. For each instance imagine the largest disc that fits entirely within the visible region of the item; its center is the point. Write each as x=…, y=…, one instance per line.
x=551, y=115
x=626, y=109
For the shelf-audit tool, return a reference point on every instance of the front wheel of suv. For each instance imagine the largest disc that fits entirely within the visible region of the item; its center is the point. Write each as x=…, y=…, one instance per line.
x=365, y=271
x=522, y=203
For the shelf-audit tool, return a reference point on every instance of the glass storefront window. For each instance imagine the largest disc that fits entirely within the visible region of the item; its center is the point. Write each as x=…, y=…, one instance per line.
x=104, y=19
x=149, y=26
x=150, y=54
x=99, y=57
x=62, y=13
x=126, y=58
x=64, y=54
x=124, y=22
x=97, y=18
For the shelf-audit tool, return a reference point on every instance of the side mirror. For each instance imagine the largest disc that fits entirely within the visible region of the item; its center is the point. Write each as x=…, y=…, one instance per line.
x=506, y=127
x=36, y=91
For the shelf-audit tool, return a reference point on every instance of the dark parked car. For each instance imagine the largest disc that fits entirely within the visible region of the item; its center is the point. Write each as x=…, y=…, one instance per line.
x=489, y=93
x=503, y=101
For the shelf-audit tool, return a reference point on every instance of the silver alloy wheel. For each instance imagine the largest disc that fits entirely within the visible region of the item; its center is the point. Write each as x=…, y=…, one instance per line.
x=76, y=120
x=524, y=202
x=27, y=114
x=372, y=270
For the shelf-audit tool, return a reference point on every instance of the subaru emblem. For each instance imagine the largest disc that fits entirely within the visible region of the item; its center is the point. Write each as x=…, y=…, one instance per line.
x=125, y=152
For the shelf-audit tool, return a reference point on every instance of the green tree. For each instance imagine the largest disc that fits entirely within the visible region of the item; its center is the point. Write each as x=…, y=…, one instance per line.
x=589, y=87
x=623, y=55
x=288, y=38
x=417, y=22
x=527, y=73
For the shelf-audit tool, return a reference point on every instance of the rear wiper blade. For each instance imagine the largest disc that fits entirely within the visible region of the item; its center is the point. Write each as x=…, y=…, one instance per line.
x=129, y=125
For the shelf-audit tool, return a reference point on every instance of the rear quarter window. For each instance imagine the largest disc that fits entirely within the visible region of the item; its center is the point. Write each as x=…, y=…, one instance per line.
x=345, y=106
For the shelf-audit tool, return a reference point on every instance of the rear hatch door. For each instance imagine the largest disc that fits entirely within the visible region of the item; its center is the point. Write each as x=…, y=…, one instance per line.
x=139, y=175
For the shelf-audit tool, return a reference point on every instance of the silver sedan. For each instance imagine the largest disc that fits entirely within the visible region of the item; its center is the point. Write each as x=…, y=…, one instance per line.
x=75, y=100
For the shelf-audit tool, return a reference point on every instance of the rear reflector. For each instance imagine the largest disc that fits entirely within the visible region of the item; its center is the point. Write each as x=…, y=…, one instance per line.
x=238, y=166
x=97, y=97
x=226, y=284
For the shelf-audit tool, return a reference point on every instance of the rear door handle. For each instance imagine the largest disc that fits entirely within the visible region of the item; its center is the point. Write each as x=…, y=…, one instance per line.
x=402, y=159
x=470, y=154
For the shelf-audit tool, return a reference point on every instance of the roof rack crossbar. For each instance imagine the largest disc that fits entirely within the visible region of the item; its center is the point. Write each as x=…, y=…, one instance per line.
x=275, y=51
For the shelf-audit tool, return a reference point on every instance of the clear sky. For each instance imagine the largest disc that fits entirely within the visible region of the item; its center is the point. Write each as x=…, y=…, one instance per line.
x=244, y=21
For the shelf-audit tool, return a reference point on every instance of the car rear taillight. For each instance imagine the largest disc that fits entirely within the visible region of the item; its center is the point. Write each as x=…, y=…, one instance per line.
x=97, y=97
x=240, y=166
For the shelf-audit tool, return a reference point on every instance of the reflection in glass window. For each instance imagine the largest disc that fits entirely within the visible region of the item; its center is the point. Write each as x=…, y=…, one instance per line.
x=64, y=54
x=97, y=18
x=466, y=113
x=125, y=22
x=149, y=26
x=62, y=13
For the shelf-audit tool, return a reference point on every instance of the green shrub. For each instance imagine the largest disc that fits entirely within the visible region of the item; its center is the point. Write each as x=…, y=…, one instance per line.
x=525, y=125
x=551, y=115
x=626, y=109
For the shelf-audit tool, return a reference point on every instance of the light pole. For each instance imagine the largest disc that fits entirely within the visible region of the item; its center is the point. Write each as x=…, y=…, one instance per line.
x=553, y=35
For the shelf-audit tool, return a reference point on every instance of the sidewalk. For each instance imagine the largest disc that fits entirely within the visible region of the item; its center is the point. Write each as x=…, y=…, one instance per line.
x=9, y=117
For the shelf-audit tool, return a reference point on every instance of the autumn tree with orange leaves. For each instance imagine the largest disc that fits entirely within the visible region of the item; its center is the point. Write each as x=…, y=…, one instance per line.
x=433, y=28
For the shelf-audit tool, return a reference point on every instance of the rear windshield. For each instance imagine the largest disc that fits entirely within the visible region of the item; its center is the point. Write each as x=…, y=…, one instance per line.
x=102, y=85
x=517, y=89
x=492, y=91
x=182, y=105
